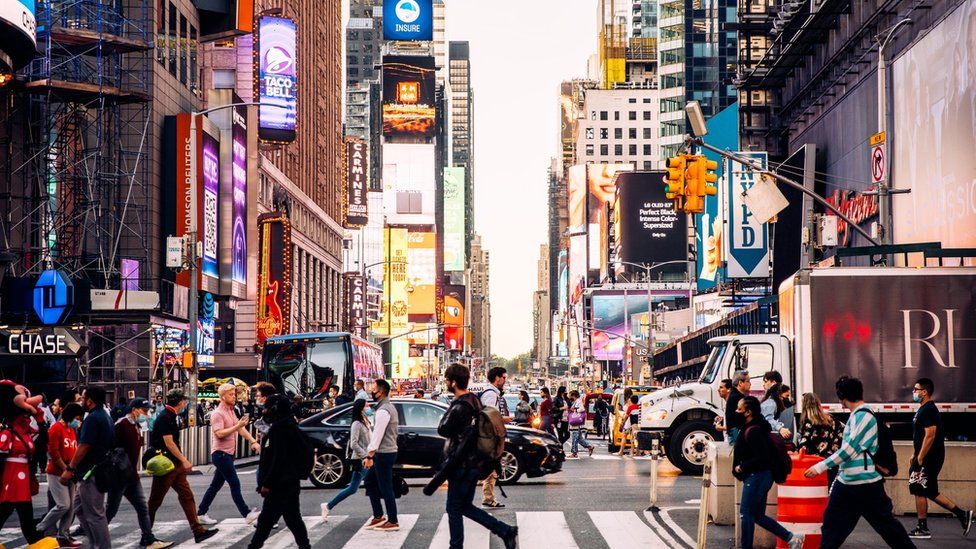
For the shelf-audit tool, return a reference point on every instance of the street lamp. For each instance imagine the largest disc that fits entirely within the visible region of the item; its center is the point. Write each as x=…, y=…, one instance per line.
x=884, y=206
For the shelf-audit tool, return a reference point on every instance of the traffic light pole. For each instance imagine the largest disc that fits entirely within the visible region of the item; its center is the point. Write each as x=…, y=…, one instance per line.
x=788, y=182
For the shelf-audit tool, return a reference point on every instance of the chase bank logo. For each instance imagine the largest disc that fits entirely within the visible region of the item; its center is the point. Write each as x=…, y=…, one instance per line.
x=407, y=11
x=54, y=295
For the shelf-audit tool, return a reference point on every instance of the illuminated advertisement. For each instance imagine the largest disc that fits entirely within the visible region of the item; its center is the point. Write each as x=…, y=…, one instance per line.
x=576, y=182
x=239, y=178
x=394, y=308
x=210, y=169
x=168, y=344
x=205, y=330
x=601, y=187
x=17, y=38
x=454, y=317
x=367, y=360
x=422, y=275
x=408, y=20
x=408, y=98
x=577, y=267
x=613, y=315
x=274, y=276
x=649, y=228
x=277, y=79
x=935, y=127
x=355, y=284
x=454, y=235
x=400, y=358
x=409, y=184
x=357, y=208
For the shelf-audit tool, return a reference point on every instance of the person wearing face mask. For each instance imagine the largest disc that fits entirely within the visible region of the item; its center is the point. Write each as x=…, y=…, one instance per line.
x=61, y=446
x=128, y=436
x=165, y=438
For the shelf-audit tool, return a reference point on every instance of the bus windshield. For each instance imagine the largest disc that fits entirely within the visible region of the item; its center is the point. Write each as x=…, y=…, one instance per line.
x=306, y=369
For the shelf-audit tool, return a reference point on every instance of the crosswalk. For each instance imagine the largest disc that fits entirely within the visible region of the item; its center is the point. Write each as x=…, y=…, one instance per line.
x=537, y=530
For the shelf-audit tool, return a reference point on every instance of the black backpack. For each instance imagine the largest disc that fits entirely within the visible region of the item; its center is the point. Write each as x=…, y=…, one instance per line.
x=885, y=459
x=781, y=465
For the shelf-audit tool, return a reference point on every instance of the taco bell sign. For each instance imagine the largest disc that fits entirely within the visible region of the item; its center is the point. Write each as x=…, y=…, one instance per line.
x=277, y=79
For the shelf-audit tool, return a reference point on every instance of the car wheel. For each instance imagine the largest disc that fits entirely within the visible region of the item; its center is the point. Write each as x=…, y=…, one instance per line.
x=329, y=471
x=511, y=468
x=688, y=447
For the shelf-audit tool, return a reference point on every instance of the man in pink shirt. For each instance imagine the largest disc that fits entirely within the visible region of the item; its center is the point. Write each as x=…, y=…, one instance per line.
x=225, y=427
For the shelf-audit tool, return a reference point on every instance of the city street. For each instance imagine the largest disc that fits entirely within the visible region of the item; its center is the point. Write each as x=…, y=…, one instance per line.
x=593, y=503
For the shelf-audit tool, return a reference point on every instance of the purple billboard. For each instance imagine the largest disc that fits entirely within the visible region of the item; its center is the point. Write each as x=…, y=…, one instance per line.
x=239, y=178
x=277, y=79
x=211, y=183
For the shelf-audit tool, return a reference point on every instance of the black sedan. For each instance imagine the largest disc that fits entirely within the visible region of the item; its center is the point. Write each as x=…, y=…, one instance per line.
x=527, y=451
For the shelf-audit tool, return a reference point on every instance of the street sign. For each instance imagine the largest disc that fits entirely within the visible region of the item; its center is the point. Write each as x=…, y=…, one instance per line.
x=747, y=237
x=878, y=163
x=878, y=138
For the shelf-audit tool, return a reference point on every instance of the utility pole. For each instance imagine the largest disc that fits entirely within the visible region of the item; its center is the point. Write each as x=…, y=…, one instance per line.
x=194, y=282
x=884, y=189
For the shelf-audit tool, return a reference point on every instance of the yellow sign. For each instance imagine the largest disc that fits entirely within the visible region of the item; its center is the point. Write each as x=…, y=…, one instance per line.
x=877, y=138
x=394, y=307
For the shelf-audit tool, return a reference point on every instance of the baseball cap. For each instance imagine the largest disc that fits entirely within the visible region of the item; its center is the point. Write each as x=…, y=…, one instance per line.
x=139, y=403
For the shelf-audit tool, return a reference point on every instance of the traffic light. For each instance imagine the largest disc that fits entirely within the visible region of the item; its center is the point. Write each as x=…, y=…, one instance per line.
x=709, y=177
x=693, y=183
x=674, y=188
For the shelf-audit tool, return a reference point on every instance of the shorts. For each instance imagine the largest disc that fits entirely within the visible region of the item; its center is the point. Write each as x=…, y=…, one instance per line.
x=923, y=480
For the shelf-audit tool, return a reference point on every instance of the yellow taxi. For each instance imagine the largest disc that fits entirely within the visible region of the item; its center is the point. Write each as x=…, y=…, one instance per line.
x=618, y=418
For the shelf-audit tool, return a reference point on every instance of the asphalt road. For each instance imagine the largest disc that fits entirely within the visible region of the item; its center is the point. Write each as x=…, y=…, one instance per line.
x=593, y=503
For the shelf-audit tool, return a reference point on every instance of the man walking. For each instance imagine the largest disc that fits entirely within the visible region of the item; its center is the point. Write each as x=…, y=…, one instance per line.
x=734, y=422
x=61, y=446
x=286, y=459
x=380, y=457
x=165, y=437
x=927, y=461
x=94, y=442
x=128, y=436
x=359, y=386
x=492, y=398
x=462, y=465
x=859, y=490
x=225, y=428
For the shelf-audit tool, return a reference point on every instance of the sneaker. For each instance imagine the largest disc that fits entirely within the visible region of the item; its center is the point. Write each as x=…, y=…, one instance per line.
x=68, y=542
x=492, y=505
x=967, y=523
x=573, y=456
x=920, y=533
x=373, y=523
x=76, y=531
x=325, y=512
x=387, y=526
x=796, y=542
x=160, y=544
x=206, y=521
x=591, y=451
x=252, y=517
x=205, y=535
x=511, y=539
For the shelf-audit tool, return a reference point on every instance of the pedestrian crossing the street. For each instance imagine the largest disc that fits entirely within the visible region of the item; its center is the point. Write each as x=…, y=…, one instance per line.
x=537, y=530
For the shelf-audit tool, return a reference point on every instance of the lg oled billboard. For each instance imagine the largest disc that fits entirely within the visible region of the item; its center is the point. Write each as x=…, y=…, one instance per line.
x=408, y=20
x=648, y=228
x=409, y=113
x=277, y=78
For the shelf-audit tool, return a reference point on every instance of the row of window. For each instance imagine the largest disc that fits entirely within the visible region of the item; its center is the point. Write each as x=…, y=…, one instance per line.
x=618, y=133
x=631, y=115
x=176, y=44
x=618, y=150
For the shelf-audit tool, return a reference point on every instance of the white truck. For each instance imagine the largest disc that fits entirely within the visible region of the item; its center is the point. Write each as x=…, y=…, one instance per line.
x=887, y=326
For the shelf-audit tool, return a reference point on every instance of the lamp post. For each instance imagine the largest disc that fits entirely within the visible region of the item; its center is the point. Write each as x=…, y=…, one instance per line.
x=884, y=206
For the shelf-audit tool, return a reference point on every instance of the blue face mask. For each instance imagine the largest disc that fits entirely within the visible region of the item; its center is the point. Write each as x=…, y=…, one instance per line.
x=142, y=419
x=368, y=412
x=75, y=424
x=916, y=397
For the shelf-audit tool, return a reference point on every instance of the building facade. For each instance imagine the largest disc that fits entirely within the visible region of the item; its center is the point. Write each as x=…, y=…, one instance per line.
x=461, y=131
x=480, y=301
x=619, y=126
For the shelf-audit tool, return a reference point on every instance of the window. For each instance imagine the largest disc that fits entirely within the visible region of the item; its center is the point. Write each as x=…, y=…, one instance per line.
x=224, y=79
x=647, y=115
x=647, y=150
x=757, y=359
x=632, y=115
x=173, y=22
x=647, y=133
x=603, y=115
x=632, y=100
x=342, y=419
x=194, y=78
x=632, y=133
x=604, y=150
x=618, y=133
x=632, y=150
x=592, y=115
x=589, y=133
x=421, y=415
x=648, y=165
x=618, y=150
x=616, y=115
x=604, y=133
x=647, y=99
x=183, y=49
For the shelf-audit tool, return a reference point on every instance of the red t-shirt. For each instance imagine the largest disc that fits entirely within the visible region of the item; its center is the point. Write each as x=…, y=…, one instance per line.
x=62, y=441
x=633, y=414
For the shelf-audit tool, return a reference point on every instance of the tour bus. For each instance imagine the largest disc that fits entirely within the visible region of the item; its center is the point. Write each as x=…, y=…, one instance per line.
x=306, y=365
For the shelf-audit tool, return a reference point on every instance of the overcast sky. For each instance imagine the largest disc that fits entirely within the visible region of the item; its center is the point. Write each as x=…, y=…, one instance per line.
x=520, y=51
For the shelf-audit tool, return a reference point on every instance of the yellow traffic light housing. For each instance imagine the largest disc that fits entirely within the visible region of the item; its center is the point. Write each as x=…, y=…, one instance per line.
x=693, y=185
x=709, y=176
x=674, y=188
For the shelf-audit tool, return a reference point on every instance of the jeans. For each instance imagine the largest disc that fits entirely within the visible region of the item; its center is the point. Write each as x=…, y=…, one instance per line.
x=91, y=505
x=847, y=504
x=382, y=474
x=731, y=435
x=226, y=471
x=354, y=482
x=460, y=491
x=579, y=439
x=284, y=503
x=62, y=513
x=752, y=509
x=175, y=479
x=134, y=494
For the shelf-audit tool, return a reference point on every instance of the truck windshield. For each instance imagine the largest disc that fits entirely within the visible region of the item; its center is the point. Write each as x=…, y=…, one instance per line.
x=714, y=363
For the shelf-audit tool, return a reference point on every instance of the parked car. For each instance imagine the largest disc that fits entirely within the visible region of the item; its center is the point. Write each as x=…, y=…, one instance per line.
x=528, y=452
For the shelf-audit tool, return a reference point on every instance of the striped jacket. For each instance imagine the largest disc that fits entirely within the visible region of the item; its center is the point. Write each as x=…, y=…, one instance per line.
x=854, y=455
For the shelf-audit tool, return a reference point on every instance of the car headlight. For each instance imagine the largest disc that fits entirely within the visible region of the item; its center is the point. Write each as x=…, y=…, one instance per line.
x=657, y=415
x=537, y=440
x=536, y=422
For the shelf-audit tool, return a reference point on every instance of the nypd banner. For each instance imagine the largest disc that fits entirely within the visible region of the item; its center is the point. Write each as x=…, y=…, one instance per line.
x=748, y=239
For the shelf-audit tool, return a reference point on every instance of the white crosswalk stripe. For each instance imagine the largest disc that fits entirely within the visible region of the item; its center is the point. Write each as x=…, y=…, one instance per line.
x=555, y=534
x=476, y=536
x=162, y=530
x=11, y=537
x=625, y=530
x=373, y=539
x=316, y=531
x=229, y=532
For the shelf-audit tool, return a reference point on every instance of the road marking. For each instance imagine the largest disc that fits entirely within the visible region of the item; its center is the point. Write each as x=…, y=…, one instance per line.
x=665, y=515
x=316, y=531
x=162, y=530
x=373, y=539
x=693, y=501
x=476, y=536
x=11, y=537
x=625, y=530
x=230, y=531
x=598, y=456
x=544, y=529
x=661, y=530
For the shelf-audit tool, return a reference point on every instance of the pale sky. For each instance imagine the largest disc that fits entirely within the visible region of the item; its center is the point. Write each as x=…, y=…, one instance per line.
x=520, y=51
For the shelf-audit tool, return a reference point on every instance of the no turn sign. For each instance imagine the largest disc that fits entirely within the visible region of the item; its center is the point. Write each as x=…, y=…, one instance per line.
x=878, y=163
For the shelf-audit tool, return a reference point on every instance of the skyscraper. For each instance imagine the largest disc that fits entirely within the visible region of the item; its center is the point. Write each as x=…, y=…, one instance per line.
x=462, y=96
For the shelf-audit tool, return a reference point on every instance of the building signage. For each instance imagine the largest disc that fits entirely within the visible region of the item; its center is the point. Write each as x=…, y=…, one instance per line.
x=394, y=308
x=748, y=239
x=206, y=322
x=859, y=207
x=277, y=79
x=45, y=342
x=54, y=295
x=210, y=169
x=454, y=219
x=274, y=276
x=357, y=209
x=649, y=229
x=239, y=178
x=409, y=98
x=17, y=39
x=356, y=303
x=408, y=20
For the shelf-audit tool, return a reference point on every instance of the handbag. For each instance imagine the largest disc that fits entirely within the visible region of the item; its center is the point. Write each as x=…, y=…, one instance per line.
x=400, y=487
x=158, y=465
x=576, y=418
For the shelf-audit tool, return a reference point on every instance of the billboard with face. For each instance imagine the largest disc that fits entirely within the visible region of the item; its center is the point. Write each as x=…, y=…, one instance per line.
x=409, y=88
x=576, y=182
x=601, y=187
x=277, y=78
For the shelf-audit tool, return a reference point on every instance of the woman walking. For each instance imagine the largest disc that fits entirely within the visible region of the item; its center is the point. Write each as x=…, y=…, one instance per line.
x=545, y=412
x=523, y=410
x=752, y=464
x=355, y=453
x=577, y=422
x=772, y=409
x=559, y=415
x=819, y=434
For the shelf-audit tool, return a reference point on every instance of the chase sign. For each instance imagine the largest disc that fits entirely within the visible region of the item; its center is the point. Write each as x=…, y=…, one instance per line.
x=54, y=296
x=408, y=20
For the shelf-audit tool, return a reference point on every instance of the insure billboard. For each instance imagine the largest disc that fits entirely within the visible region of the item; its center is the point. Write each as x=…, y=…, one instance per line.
x=357, y=207
x=934, y=86
x=422, y=275
x=274, y=276
x=650, y=231
x=454, y=219
x=409, y=96
x=408, y=20
x=748, y=239
x=409, y=184
x=601, y=187
x=277, y=78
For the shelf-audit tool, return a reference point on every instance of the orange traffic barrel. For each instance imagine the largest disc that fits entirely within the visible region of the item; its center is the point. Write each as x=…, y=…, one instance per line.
x=802, y=501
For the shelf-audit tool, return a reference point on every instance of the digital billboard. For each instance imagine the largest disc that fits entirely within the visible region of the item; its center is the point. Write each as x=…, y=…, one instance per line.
x=723, y=133
x=454, y=222
x=408, y=20
x=649, y=229
x=239, y=179
x=601, y=188
x=277, y=78
x=454, y=303
x=409, y=112
x=210, y=170
x=17, y=36
x=357, y=207
x=576, y=184
x=274, y=276
x=422, y=275
x=409, y=184
x=394, y=307
x=613, y=314
x=934, y=84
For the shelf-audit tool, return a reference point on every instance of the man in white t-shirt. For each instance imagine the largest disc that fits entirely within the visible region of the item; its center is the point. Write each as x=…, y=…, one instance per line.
x=492, y=396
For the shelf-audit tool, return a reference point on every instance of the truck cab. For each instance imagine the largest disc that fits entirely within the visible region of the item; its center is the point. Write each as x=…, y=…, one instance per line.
x=683, y=416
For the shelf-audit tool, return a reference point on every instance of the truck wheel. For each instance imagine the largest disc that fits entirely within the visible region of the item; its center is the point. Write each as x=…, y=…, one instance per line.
x=688, y=447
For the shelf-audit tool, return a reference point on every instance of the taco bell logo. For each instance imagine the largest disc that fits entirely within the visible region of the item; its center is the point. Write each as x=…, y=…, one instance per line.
x=277, y=60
